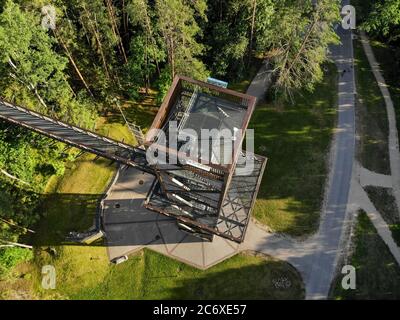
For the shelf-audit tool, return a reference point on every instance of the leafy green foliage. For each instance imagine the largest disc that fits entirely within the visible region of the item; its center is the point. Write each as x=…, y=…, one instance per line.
x=179, y=29
x=27, y=161
x=31, y=157
x=299, y=43
x=229, y=33
x=146, y=47
x=163, y=84
x=35, y=71
x=384, y=19
x=11, y=256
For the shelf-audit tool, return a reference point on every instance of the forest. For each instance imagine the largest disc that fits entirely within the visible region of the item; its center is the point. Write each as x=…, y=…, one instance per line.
x=96, y=51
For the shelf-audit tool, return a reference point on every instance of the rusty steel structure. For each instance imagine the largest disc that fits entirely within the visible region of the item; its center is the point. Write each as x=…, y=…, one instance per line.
x=206, y=195
x=205, y=199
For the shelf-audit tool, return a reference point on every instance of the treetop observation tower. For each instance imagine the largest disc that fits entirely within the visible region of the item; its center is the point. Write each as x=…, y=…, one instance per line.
x=211, y=192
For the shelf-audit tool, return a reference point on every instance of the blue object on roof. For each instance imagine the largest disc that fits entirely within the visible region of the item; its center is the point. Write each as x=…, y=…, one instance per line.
x=217, y=82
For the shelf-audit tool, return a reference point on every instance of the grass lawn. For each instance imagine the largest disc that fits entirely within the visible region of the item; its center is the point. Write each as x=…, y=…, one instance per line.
x=296, y=140
x=390, y=68
x=372, y=124
x=140, y=113
x=149, y=275
x=385, y=203
x=377, y=273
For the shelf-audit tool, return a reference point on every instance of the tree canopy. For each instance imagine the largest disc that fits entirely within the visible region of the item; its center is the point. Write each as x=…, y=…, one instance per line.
x=384, y=19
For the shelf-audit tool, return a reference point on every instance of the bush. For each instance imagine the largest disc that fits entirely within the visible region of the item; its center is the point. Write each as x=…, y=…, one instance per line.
x=11, y=256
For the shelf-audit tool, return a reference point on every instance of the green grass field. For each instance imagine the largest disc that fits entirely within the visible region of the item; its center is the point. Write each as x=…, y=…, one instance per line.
x=385, y=203
x=296, y=139
x=391, y=72
x=149, y=275
x=377, y=273
x=373, y=152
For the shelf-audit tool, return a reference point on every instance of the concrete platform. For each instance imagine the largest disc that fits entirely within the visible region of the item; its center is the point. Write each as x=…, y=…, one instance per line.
x=130, y=227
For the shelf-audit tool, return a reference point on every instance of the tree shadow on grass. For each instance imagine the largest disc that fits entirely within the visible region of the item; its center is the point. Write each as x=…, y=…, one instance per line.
x=151, y=275
x=141, y=114
x=296, y=141
x=264, y=281
x=62, y=213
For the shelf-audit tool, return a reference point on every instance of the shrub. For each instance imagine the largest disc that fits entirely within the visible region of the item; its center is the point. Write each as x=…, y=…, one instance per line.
x=11, y=256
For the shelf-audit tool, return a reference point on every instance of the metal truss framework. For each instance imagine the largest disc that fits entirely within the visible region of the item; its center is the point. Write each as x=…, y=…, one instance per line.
x=215, y=199
x=198, y=209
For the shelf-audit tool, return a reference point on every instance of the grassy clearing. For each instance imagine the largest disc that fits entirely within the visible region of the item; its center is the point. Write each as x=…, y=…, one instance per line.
x=377, y=273
x=149, y=275
x=69, y=205
x=113, y=123
x=385, y=203
x=373, y=152
x=72, y=203
x=390, y=68
x=116, y=131
x=140, y=113
x=296, y=140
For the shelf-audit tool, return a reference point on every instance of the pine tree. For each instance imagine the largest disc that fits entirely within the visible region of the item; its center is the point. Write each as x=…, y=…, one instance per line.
x=146, y=50
x=179, y=30
x=27, y=55
x=234, y=29
x=299, y=42
x=66, y=36
x=384, y=19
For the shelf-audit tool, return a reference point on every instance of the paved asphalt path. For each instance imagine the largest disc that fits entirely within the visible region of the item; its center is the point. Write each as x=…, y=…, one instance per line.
x=261, y=82
x=323, y=260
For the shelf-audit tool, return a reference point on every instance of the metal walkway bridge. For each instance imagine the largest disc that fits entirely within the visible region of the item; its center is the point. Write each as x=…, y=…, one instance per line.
x=75, y=136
